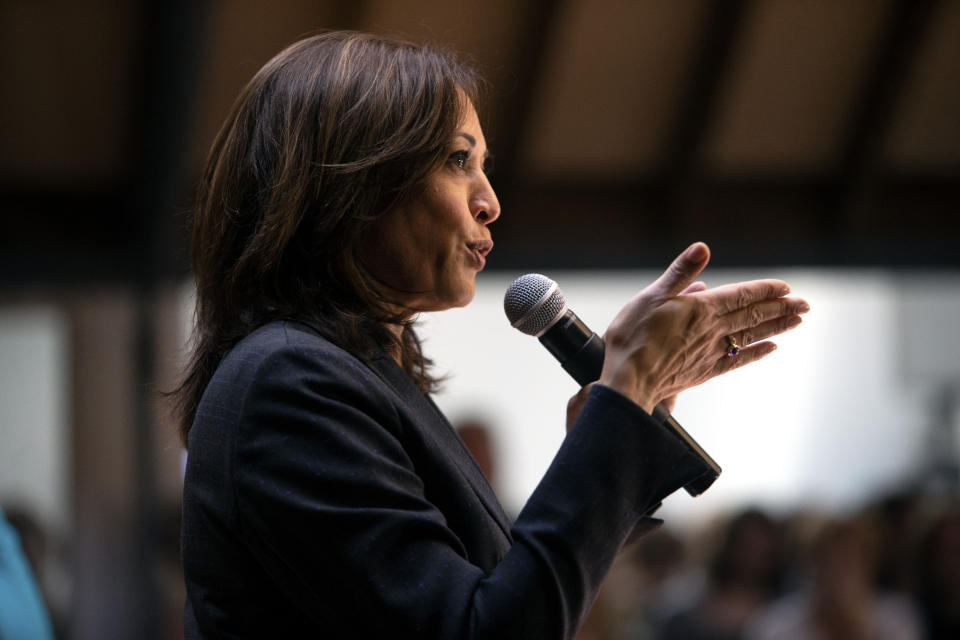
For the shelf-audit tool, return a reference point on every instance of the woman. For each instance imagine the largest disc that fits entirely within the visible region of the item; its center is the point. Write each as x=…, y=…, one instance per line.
x=325, y=494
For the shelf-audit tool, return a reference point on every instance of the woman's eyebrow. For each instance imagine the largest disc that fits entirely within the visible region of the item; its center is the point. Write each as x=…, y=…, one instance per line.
x=473, y=142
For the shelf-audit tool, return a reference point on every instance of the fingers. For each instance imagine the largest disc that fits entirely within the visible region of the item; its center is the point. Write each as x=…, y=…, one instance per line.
x=746, y=356
x=683, y=270
x=760, y=332
x=781, y=311
x=733, y=297
x=769, y=329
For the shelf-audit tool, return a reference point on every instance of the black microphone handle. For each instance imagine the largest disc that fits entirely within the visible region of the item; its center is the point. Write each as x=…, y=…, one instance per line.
x=578, y=349
x=580, y=352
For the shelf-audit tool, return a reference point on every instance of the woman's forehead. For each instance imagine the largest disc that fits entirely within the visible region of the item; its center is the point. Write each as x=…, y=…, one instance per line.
x=469, y=128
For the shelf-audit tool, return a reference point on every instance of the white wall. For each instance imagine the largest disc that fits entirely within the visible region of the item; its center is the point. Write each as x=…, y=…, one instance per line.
x=34, y=439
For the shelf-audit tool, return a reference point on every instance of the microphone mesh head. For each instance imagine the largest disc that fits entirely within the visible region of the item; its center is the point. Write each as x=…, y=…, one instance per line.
x=533, y=303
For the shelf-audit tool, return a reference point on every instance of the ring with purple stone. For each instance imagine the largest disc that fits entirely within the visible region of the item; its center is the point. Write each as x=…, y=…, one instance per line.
x=734, y=348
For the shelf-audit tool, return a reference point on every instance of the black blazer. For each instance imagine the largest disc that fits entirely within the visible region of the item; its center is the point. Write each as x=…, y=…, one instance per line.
x=328, y=497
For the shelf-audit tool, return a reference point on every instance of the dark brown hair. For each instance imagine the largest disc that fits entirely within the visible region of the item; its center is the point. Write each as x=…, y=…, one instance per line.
x=328, y=136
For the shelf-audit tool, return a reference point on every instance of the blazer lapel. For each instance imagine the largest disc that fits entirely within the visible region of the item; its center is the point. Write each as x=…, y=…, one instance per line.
x=443, y=434
x=438, y=428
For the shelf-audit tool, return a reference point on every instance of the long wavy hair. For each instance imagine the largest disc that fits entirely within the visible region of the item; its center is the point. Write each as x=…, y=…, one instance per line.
x=328, y=136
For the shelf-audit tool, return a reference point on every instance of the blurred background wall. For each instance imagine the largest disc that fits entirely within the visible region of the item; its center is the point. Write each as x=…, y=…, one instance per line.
x=814, y=140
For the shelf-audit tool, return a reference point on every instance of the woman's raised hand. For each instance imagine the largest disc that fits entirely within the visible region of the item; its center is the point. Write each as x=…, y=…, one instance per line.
x=676, y=333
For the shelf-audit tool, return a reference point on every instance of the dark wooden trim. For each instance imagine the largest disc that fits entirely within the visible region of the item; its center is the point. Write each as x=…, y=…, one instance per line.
x=565, y=224
x=752, y=220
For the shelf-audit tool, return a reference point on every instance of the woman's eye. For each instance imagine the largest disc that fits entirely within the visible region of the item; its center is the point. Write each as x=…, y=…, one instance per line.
x=459, y=159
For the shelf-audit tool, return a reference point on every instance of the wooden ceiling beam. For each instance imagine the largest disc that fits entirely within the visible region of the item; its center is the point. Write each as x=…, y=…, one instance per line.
x=705, y=79
x=525, y=67
x=697, y=103
x=872, y=111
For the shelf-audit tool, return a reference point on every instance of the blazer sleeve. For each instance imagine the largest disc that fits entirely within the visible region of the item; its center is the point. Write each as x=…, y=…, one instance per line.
x=335, y=511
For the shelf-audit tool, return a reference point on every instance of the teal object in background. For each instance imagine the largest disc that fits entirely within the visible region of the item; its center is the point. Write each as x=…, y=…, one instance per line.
x=23, y=615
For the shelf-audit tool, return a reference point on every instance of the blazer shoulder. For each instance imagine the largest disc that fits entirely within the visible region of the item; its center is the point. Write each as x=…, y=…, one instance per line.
x=290, y=343
x=280, y=335
x=287, y=354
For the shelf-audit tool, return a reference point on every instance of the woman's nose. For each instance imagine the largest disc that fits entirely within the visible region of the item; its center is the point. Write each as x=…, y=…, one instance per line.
x=485, y=206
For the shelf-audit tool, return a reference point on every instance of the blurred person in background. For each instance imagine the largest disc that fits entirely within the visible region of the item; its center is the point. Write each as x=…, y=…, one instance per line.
x=325, y=494
x=478, y=438
x=23, y=615
x=938, y=581
x=841, y=601
x=896, y=516
x=744, y=575
x=638, y=588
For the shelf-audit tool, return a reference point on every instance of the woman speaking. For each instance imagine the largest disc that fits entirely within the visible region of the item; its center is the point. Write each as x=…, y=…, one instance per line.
x=325, y=493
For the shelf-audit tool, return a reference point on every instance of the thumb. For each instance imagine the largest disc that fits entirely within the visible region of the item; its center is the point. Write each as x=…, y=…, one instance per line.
x=696, y=287
x=683, y=270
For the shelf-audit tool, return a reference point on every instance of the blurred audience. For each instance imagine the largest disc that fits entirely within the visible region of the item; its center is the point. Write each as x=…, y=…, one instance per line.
x=841, y=600
x=644, y=581
x=890, y=571
x=743, y=576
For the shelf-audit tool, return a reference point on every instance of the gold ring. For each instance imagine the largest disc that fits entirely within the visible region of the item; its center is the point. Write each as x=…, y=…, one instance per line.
x=734, y=347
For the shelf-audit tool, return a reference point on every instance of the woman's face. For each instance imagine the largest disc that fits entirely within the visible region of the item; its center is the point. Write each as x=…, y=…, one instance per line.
x=427, y=252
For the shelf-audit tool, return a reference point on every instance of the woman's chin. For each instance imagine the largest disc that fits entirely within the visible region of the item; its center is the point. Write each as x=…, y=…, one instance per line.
x=455, y=294
x=467, y=296
x=458, y=298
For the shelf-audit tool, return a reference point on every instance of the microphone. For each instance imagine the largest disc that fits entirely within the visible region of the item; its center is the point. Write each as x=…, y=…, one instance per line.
x=535, y=305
